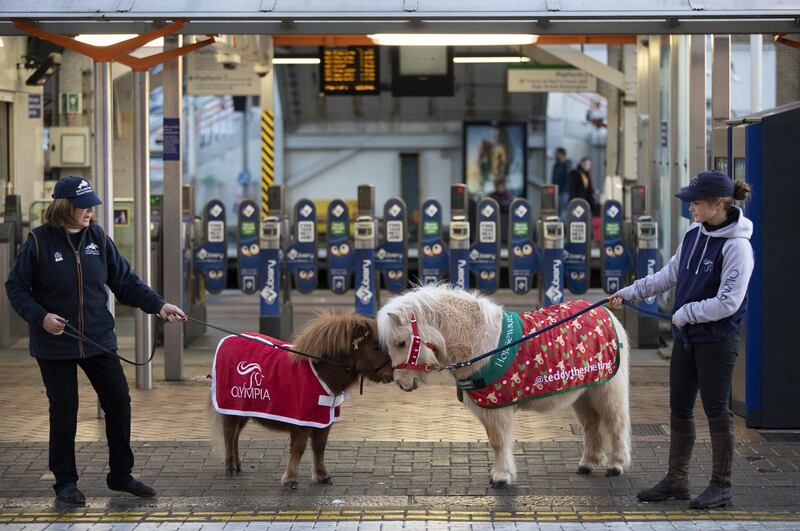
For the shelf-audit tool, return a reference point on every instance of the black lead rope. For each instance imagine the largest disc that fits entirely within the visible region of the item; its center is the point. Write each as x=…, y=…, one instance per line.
x=82, y=337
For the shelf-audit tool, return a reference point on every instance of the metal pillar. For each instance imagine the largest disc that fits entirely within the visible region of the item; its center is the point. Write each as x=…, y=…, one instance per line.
x=756, y=72
x=677, y=133
x=141, y=194
x=173, y=226
x=698, y=153
x=611, y=93
x=103, y=174
x=721, y=81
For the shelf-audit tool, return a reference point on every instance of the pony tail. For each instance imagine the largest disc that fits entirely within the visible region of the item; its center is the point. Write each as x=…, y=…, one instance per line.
x=741, y=190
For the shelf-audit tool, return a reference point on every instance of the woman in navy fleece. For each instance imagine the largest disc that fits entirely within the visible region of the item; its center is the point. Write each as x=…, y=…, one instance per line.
x=59, y=277
x=710, y=273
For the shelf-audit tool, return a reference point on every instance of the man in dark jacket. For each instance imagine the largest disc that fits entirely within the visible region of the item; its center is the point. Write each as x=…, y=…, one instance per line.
x=58, y=285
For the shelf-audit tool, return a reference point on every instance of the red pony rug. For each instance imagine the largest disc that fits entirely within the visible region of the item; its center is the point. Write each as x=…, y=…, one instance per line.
x=255, y=378
x=577, y=354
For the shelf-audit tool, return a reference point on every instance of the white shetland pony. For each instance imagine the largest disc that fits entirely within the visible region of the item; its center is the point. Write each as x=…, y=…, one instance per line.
x=450, y=325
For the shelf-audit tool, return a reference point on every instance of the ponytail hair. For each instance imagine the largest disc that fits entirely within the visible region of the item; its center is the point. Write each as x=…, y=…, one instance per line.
x=741, y=190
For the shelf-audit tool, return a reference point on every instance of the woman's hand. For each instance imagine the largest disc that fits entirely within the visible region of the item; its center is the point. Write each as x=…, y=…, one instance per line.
x=616, y=299
x=173, y=314
x=54, y=324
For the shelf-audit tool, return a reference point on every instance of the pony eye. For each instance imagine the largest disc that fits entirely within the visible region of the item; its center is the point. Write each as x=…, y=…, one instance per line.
x=401, y=344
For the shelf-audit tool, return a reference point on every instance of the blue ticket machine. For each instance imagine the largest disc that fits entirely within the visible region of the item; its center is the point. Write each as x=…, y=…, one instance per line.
x=341, y=254
x=432, y=250
x=276, y=307
x=301, y=257
x=210, y=255
x=248, y=248
x=523, y=256
x=366, y=281
x=551, y=231
x=392, y=255
x=615, y=258
x=578, y=245
x=459, y=237
x=484, y=256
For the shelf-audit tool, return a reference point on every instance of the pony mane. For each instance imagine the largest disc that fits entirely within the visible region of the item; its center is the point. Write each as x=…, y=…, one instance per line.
x=426, y=299
x=331, y=334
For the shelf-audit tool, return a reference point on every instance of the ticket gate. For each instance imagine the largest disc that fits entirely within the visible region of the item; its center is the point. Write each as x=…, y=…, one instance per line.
x=433, y=253
x=459, y=237
x=366, y=239
x=551, y=236
x=12, y=327
x=275, y=313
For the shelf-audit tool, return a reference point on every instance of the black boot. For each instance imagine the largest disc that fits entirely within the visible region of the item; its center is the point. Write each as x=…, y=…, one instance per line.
x=718, y=493
x=70, y=495
x=676, y=483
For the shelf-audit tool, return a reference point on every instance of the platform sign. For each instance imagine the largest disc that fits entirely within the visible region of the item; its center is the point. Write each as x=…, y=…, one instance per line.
x=432, y=250
x=209, y=258
x=616, y=259
x=248, y=248
x=340, y=247
x=578, y=244
x=392, y=255
x=301, y=257
x=523, y=256
x=484, y=256
x=349, y=70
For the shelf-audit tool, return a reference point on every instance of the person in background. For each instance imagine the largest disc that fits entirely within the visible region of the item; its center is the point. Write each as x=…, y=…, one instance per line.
x=710, y=273
x=560, y=177
x=580, y=184
x=58, y=285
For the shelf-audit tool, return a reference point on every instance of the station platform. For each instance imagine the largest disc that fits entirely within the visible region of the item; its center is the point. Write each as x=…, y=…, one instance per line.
x=398, y=460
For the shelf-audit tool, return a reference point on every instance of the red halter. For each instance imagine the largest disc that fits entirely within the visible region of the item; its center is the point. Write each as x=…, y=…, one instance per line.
x=413, y=351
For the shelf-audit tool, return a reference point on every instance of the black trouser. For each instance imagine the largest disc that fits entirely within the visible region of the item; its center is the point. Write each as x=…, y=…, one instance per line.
x=707, y=367
x=61, y=381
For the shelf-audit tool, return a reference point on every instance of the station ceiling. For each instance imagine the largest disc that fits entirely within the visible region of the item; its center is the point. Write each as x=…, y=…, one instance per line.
x=543, y=17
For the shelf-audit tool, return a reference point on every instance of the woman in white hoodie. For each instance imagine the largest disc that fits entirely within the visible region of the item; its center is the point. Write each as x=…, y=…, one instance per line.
x=710, y=273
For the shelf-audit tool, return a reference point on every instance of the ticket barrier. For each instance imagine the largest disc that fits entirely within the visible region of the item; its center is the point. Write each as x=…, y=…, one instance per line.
x=433, y=252
x=459, y=237
x=392, y=255
x=12, y=327
x=275, y=313
x=366, y=239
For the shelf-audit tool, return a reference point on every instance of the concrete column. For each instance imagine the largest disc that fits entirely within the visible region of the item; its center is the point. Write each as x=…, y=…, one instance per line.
x=103, y=173
x=721, y=81
x=613, y=147
x=173, y=209
x=141, y=195
x=756, y=71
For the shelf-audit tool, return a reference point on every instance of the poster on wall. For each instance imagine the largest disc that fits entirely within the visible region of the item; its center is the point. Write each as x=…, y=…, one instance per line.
x=495, y=161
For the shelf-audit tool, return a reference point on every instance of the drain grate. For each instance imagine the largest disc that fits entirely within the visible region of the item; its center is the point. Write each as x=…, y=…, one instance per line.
x=781, y=436
x=637, y=430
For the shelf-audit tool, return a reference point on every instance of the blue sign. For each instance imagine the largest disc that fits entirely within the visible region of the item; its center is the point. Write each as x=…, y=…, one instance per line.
x=553, y=276
x=270, y=267
x=172, y=139
x=578, y=244
x=244, y=178
x=484, y=257
x=301, y=258
x=34, y=106
x=248, y=248
x=391, y=255
x=459, y=268
x=523, y=256
x=432, y=250
x=209, y=258
x=366, y=302
x=615, y=257
x=340, y=247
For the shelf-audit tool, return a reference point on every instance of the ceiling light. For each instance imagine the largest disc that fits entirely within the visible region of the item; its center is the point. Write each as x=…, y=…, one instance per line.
x=295, y=60
x=443, y=39
x=108, y=40
x=492, y=59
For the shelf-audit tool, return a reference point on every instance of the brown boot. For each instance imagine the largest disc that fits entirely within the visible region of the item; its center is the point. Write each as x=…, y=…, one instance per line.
x=676, y=483
x=718, y=493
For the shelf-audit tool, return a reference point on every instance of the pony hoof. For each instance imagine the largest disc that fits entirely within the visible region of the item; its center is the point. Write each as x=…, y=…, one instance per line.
x=326, y=481
x=613, y=471
x=292, y=485
x=583, y=470
x=231, y=472
x=500, y=484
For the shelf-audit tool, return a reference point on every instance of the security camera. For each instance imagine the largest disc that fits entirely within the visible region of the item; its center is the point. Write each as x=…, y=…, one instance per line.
x=228, y=60
x=261, y=70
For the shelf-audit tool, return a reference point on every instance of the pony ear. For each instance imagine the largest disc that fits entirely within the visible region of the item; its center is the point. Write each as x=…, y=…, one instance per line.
x=397, y=318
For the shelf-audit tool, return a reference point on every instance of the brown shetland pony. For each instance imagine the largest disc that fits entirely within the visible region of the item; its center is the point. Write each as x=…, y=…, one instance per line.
x=347, y=338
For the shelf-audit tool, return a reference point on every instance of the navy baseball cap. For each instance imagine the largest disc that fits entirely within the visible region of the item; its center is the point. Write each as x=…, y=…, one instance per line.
x=77, y=190
x=707, y=184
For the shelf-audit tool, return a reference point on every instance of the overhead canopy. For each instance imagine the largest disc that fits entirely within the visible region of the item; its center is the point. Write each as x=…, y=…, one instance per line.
x=579, y=17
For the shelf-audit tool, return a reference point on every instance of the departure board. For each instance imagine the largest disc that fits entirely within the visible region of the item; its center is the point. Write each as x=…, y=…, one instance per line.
x=349, y=70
